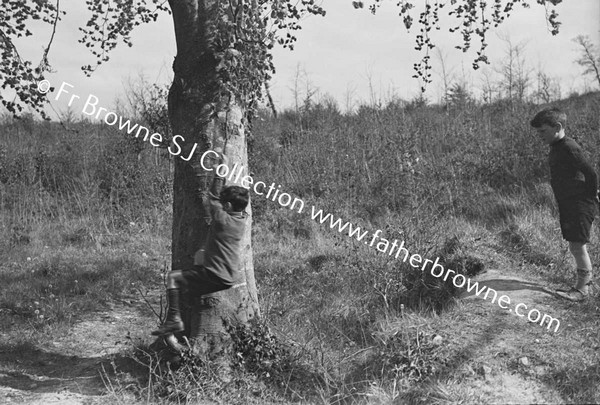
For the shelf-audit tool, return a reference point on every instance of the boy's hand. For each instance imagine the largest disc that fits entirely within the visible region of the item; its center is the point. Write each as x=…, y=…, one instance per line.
x=218, y=160
x=224, y=159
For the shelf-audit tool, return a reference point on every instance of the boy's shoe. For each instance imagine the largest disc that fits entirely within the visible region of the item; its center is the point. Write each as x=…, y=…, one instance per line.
x=573, y=294
x=169, y=327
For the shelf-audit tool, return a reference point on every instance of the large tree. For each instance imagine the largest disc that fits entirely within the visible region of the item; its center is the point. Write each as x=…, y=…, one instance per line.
x=223, y=61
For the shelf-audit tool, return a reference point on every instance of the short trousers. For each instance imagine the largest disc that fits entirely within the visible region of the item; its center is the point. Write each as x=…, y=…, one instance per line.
x=576, y=217
x=199, y=281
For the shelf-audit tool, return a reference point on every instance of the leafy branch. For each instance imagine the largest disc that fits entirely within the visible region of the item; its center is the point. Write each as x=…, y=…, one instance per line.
x=18, y=74
x=474, y=19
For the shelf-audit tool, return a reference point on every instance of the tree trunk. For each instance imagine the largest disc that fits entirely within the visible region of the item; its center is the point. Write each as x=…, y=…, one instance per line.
x=207, y=121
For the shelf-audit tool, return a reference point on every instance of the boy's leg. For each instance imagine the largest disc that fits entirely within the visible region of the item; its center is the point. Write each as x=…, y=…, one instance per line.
x=173, y=323
x=199, y=281
x=584, y=273
x=584, y=265
x=576, y=218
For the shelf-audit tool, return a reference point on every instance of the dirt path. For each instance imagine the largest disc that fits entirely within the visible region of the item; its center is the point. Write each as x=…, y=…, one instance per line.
x=505, y=358
x=68, y=370
x=509, y=381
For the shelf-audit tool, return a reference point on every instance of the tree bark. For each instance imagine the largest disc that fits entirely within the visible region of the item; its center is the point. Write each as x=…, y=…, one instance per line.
x=207, y=121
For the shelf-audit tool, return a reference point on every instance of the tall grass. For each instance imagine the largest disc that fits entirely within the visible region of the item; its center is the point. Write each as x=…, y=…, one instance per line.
x=93, y=205
x=85, y=216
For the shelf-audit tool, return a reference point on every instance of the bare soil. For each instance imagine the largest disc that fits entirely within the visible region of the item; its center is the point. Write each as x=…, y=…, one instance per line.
x=73, y=368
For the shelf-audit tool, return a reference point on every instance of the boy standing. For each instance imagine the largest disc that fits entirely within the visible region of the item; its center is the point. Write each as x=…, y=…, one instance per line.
x=575, y=186
x=221, y=258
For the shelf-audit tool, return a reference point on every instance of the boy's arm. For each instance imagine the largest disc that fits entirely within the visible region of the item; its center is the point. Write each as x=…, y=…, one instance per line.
x=217, y=186
x=218, y=181
x=591, y=178
x=210, y=199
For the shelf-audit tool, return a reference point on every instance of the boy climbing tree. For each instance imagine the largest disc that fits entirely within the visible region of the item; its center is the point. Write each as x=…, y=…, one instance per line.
x=218, y=267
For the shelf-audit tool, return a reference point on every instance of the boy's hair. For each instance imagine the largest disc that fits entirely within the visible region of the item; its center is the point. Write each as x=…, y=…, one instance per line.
x=549, y=116
x=237, y=196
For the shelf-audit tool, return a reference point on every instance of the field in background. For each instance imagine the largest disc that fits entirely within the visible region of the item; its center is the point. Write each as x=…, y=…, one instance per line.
x=85, y=218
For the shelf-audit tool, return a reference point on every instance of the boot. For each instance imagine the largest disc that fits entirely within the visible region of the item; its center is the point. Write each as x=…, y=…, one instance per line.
x=581, y=289
x=173, y=323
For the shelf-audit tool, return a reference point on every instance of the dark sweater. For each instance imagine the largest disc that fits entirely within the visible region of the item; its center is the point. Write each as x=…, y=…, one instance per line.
x=223, y=247
x=571, y=176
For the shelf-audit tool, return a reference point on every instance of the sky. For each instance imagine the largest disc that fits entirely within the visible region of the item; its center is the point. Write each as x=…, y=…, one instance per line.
x=349, y=55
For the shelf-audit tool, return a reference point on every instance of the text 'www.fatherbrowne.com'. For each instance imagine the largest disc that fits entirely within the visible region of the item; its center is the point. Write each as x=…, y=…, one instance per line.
x=239, y=175
x=274, y=193
x=437, y=270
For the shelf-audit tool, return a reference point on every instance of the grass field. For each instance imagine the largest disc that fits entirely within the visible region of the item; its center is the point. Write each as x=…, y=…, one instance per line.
x=85, y=221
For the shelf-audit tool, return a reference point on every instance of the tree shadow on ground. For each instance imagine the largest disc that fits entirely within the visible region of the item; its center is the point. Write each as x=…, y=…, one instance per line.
x=575, y=365
x=29, y=368
x=577, y=385
x=453, y=369
x=501, y=285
